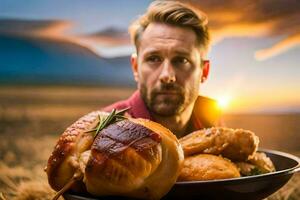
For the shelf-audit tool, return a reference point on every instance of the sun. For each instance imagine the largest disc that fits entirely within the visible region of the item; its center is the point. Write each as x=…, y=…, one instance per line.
x=224, y=101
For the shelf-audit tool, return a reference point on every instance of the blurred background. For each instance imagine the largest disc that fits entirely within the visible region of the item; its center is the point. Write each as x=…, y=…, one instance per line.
x=62, y=59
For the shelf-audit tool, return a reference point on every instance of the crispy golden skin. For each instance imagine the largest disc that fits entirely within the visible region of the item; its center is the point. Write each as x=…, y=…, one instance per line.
x=64, y=160
x=234, y=144
x=127, y=158
x=207, y=167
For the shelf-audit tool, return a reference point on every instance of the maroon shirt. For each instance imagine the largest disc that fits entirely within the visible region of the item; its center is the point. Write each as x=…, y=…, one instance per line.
x=205, y=113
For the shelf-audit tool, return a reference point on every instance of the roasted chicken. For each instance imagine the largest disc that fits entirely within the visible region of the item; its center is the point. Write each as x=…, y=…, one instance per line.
x=234, y=144
x=127, y=158
x=210, y=153
x=207, y=167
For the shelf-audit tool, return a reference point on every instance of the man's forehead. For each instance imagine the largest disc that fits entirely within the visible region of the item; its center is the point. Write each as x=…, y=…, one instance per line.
x=166, y=34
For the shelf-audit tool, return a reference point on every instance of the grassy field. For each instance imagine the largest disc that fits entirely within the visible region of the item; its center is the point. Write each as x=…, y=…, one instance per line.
x=32, y=118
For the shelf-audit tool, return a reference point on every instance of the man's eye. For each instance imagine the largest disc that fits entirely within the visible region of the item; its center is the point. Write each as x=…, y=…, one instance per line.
x=153, y=59
x=180, y=61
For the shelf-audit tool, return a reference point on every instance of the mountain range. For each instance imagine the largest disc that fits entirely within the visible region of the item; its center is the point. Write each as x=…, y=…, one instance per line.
x=33, y=60
x=27, y=57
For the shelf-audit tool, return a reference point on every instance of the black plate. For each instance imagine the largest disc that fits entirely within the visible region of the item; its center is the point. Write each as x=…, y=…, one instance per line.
x=246, y=188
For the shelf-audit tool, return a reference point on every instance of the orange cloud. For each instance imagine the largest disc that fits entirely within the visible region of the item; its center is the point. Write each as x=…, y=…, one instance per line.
x=280, y=47
x=34, y=28
x=268, y=18
x=241, y=30
x=56, y=29
x=107, y=43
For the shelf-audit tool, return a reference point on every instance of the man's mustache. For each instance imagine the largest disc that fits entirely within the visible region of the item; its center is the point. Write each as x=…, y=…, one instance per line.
x=169, y=87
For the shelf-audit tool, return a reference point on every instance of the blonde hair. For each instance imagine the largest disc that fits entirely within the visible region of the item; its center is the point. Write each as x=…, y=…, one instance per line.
x=173, y=13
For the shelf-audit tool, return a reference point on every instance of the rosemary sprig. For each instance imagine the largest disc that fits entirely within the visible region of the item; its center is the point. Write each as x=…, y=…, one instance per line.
x=113, y=117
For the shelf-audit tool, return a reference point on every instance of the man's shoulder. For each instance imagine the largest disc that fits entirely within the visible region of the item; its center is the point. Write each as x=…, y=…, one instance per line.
x=137, y=107
x=119, y=105
x=206, y=112
x=205, y=99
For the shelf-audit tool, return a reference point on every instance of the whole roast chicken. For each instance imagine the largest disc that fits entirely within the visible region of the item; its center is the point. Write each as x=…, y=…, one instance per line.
x=109, y=155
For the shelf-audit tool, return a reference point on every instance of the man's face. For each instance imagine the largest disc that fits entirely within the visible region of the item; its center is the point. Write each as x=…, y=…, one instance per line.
x=168, y=68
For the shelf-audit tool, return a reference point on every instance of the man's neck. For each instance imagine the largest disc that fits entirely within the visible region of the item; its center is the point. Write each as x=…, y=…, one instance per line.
x=178, y=124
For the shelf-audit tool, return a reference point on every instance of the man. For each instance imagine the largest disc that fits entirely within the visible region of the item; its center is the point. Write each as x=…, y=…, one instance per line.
x=169, y=66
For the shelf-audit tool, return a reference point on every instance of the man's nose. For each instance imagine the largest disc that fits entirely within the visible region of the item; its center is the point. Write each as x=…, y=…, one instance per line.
x=167, y=74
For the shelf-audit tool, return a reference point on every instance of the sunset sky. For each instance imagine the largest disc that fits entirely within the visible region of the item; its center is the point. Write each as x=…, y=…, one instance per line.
x=255, y=52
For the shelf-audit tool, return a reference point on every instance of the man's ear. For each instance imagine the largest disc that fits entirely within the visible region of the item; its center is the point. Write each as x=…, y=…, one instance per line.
x=134, y=66
x=205, y=70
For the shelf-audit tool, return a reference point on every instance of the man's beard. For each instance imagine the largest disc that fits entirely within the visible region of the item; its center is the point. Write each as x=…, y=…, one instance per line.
x=167, y=106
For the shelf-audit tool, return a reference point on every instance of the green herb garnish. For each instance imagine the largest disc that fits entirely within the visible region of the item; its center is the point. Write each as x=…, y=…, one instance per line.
x=255, y=171
x=113, y=117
